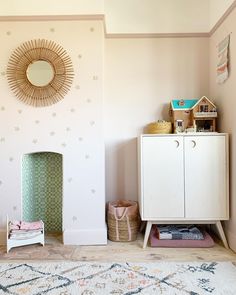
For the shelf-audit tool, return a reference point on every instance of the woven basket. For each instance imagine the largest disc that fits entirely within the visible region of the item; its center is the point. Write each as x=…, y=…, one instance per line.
x=123, y=228
x=159, y=127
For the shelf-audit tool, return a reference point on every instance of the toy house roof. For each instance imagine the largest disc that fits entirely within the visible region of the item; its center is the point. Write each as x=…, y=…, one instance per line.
x=188, y=104
x=206, y=99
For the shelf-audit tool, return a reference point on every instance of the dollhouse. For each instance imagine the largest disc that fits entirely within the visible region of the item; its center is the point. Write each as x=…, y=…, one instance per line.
x=193, y=115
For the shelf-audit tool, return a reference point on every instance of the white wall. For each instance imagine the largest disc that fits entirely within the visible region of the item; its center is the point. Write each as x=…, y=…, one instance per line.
x=217, y=8
x=72, y=127
x=51, y=7
x=141, y=77
x=225, y=100
x=157, y=16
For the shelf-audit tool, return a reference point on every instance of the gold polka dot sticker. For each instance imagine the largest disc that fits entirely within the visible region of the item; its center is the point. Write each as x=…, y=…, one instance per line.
x=36, y=121
x=63, y=144
x=11, y=159
x=8, y=33
x=77, y=87
x=17, y=128
x=69, y=179
x=93, y=191
x=52, y=133
x=68, y=129
x=52, y=30
x=2, y=139
x=87, y=157
x=95, y=77
x=19, y=111
x=80, y=138
x=92, y=123
x=54, y=114
x=2, y=108
x=74, y=218
x=80, y=56
x=35, y=140
x=91, y=29
x=72, y=110
x=89, y=100
x=14, y=208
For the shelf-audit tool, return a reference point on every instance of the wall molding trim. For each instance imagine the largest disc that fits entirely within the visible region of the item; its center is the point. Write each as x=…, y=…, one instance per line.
x=155, y=35
x=26, y=18
x=101, y=17
x=93, y=236
x=223, y=18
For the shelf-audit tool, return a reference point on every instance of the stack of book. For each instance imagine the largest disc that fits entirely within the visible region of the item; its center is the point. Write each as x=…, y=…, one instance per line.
x=180, y=236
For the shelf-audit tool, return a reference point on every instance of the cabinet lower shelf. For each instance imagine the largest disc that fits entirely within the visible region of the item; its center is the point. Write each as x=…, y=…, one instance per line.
x=217, y=223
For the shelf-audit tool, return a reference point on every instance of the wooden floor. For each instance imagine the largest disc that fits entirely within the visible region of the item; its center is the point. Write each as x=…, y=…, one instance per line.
x=114, y=252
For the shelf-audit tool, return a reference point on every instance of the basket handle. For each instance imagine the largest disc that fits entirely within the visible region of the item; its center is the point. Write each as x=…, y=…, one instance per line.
x=122, y=216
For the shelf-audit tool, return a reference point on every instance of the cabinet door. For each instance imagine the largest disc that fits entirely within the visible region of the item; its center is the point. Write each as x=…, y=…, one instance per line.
x=162, y=177
x=205, y=177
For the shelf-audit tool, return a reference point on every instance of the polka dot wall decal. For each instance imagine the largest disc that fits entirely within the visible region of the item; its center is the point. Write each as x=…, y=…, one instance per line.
x=17, y=128
x=80, y=56
x=35, y=141
x=36, y=121
x=72, y=110
x=2, y=139
x=3, y=73
x=20, y=111
x=69, y=179
x=95, y=77
x=63, y=144
x=68, y=129
x=11, y=159
x=92, y=123
x=54, y=114
x=80, y=138
x=74, y=218
x=2, y=108
x=52, y=30
x=77, y=87
x=91, y=29
x=87, y=157
x=14, y=208
x=52, y=133
x=88, y=100
x=93, y=191
x=8, y=33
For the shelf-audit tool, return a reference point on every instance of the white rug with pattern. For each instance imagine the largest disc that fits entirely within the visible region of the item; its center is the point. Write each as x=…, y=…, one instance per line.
x=90, y=278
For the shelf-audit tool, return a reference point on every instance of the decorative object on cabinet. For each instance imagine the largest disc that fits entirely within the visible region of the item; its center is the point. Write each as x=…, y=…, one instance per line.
x=40, y=72
x=123, y=220
x=161, y=127
x=198, y=167
x=192, y=115
x=20, y=233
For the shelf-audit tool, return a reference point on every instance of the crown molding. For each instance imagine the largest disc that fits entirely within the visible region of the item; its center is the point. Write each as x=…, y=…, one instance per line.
x=223, y=18
x=26, y=18
x=155, y=35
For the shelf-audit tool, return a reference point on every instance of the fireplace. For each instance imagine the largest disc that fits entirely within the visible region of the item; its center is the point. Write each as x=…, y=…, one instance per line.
x=42, y=189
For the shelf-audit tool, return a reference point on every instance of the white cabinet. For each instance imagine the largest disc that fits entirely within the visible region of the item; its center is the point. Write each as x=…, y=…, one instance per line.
x=183, y=179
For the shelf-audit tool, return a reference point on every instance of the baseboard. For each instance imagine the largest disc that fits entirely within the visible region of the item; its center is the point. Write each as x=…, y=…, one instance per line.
x=231, y=237
x=3, y=240
x=96, y=236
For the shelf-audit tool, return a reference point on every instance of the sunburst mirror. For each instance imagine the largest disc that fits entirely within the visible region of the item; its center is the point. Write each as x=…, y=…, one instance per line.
x=40, y=72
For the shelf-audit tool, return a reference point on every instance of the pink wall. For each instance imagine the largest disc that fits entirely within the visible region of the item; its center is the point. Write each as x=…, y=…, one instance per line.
x=226, y=101
x=141, y=77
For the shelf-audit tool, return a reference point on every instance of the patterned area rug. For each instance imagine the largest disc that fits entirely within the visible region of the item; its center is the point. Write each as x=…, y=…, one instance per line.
x=89, y=278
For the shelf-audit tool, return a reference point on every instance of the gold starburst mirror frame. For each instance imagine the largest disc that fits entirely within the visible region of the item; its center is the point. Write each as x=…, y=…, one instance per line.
x=40, y=72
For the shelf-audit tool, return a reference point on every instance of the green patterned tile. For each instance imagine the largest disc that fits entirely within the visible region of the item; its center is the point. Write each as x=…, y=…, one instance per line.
x=42, y=189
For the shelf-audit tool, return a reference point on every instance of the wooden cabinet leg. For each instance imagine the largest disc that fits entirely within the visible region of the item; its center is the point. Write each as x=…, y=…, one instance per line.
x=222, y=234
x=147, y=233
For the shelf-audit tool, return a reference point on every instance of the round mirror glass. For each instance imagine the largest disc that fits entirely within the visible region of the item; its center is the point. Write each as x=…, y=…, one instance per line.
x=40, y=73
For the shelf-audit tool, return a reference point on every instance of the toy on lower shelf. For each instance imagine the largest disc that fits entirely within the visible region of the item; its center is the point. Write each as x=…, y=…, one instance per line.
x=21, y=233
